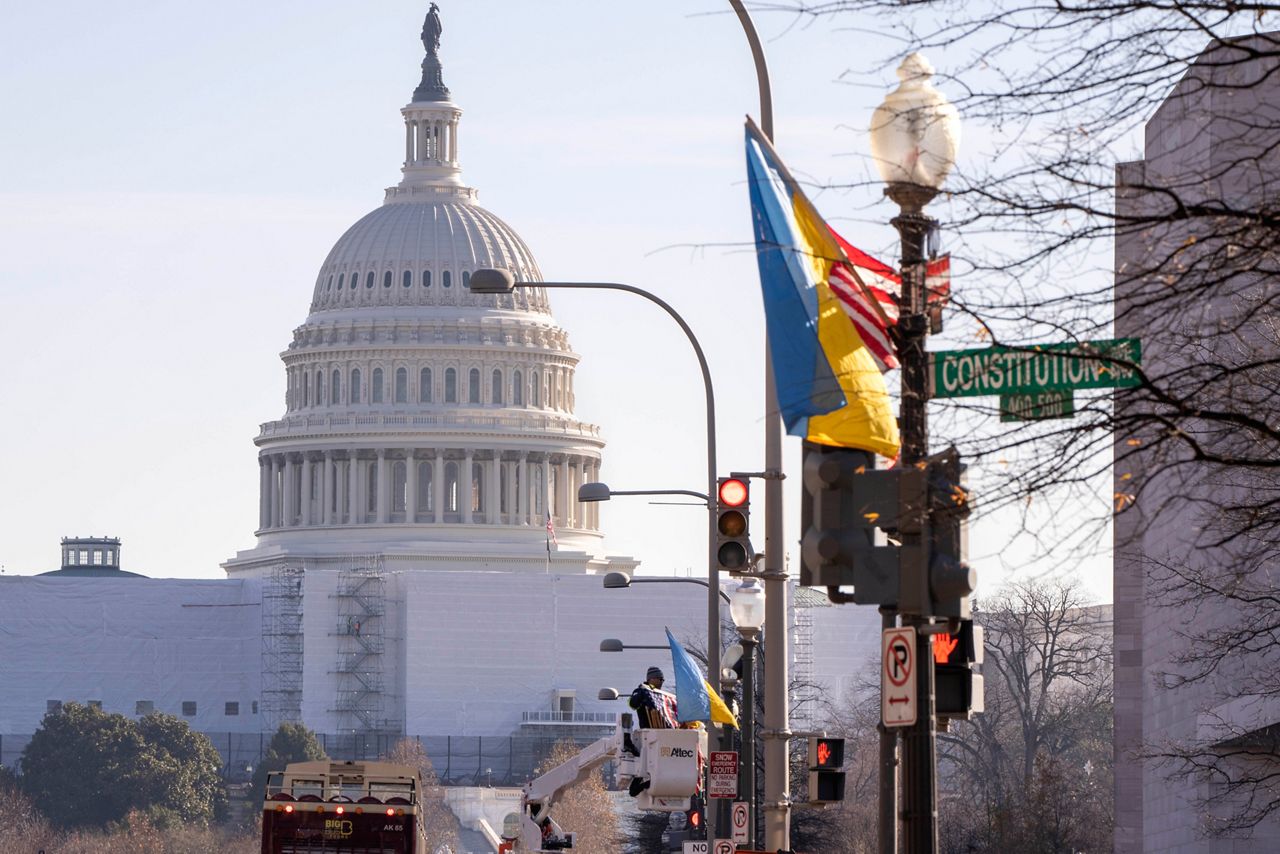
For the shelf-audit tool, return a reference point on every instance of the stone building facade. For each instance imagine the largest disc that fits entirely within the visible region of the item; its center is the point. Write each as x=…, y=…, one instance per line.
x=1190, y=287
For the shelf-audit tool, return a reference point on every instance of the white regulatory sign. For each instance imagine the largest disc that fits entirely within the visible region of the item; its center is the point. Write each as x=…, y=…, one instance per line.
x=724, y=846
x=699, y=847
x=741, y=817
x=898, y=676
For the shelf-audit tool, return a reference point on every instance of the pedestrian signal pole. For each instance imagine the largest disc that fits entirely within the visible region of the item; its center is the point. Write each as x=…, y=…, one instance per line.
x=915, y=136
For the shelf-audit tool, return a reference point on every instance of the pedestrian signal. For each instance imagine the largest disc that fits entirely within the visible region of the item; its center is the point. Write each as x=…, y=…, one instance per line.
x=826, y=774
x=958, y=688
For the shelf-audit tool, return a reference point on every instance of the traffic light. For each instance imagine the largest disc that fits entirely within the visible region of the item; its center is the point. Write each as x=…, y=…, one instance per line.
x=951, y=580
x=958, y=688
x=935, y=581
x=695, y=828
x=845, y=500
x=733, y=536
x=826, y=774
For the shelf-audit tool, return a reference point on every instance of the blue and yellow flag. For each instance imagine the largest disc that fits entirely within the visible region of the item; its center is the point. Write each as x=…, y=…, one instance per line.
x=830, y=389
x=696, y=700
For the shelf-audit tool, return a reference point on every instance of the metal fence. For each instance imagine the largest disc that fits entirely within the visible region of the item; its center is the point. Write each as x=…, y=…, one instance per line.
x=458, y=760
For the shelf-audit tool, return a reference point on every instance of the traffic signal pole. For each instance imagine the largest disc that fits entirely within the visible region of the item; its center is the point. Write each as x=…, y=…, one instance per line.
x=919, y=757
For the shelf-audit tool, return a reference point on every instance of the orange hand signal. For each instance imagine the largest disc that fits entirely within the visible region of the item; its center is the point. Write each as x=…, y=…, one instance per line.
x=943, y=645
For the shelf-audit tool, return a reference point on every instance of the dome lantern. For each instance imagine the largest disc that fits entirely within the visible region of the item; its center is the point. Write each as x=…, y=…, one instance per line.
x=431, y=166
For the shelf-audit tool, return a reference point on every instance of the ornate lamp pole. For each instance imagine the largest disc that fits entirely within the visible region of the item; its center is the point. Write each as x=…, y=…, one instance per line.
x=915, y=134
x=747, y=608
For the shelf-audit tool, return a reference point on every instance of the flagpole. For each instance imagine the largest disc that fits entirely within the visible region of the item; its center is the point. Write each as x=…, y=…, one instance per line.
x=777, y=725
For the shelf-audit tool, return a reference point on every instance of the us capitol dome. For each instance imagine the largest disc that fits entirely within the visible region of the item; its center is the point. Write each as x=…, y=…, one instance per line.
x=425, y=423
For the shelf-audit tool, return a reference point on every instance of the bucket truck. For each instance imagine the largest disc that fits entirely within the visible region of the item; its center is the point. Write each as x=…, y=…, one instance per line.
x=667, y=762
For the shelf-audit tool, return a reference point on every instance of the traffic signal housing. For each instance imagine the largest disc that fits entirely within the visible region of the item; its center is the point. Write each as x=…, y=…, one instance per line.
x=826, y=770
x=951, y=579
x=733, y=533
x=935, y=579
x=846, y=499
x=694, y=827
x=958, y=687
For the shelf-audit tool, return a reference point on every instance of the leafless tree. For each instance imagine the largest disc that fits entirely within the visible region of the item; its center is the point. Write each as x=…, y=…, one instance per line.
x=437, y=819
x=586, y=808
x=1032, y=773
x=1058, y=94
x=1072, y=219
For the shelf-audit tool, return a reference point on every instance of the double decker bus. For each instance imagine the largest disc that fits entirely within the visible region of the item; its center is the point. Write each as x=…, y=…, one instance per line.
x=347, y=807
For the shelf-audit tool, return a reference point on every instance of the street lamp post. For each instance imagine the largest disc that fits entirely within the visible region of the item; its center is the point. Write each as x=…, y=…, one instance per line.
x=615, y=645
x=777, y=702
x=491, y=281
x=747, y=607
x=618, y=580
x=915, y=135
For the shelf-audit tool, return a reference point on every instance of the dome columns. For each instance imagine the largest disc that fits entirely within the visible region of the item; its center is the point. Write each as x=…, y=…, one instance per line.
x=463, y=485
x=431, y=146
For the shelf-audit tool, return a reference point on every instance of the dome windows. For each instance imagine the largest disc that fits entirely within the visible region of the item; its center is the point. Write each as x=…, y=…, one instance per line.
x=473, y=386
x=517, y=389
x=368, y=280
x=335, y=387
x=408, y=279
x=426, y=278
x=375, y=386
x=424, y=386
x=399, y=486
x=535, y=387
x=426, y=495
x=342, y=277
x=445, y=281
x=354, y=386
x=402, y=386
x=451, y=487
x=450, y=385
x=386, y=279
x=466, y=279
x=496, y=400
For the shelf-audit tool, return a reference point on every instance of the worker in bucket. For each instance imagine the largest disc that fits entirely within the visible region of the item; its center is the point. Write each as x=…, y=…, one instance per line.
x=655, y=708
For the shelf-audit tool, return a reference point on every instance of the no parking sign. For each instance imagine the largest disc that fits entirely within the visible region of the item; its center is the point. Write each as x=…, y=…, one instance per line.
x=741, y=817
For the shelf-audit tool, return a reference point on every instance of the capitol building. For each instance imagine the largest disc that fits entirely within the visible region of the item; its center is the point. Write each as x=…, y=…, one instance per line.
x=422, y=565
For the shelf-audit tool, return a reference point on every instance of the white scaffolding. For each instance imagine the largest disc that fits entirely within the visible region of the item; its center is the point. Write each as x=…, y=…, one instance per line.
x=361, y=645
x=282, y=644
x=805, y=695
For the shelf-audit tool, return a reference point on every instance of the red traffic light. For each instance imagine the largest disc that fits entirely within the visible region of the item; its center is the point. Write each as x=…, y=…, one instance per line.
x=695, y=818
x=824, y=753
x=733, y=492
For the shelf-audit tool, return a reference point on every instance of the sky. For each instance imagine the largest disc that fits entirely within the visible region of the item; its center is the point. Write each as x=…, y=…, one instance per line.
x=174, y=175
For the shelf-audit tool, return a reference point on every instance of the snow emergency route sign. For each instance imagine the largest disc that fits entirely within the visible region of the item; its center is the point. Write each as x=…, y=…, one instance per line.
x=722, y=774
x=898, y=676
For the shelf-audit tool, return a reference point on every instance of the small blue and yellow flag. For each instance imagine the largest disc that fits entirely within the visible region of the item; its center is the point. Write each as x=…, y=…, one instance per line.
x=696, y=700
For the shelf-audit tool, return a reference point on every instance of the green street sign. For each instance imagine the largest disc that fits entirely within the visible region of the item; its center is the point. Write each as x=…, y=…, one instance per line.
x=1037, y=406
x=1027, y=370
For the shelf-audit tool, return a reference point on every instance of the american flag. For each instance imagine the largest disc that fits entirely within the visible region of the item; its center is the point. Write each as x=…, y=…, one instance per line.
x=551, y=532
x=869, y=291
